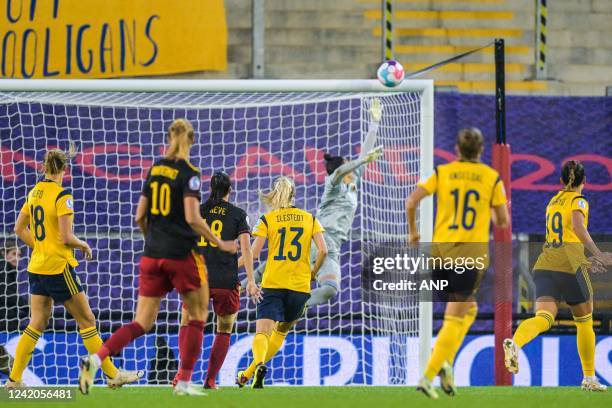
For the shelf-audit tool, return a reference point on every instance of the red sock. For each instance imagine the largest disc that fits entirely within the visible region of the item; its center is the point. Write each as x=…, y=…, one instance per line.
x=181, y=337
x=217, y=355
x=121, y=338
x=190, y=348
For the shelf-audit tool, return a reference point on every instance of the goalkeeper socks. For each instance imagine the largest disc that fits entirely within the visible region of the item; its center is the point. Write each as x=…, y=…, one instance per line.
x=468, y=320
x=23, y=353
x=121, y=338
x=93, y=342
x=260, y=348
x=585, y=340
x=190, y=348
x=217, y=355
x=530, y=329
x=450, y=331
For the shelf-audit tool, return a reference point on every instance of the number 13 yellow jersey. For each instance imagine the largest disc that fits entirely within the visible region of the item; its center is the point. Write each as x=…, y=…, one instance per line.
x=46, y=202
x=289, y=232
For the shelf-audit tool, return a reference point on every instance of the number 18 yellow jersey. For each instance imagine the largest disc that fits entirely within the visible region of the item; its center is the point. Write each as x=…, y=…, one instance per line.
x=289, y=232
x=45, y=203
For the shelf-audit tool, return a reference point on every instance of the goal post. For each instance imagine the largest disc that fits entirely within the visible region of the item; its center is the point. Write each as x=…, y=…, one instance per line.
x=257, y=130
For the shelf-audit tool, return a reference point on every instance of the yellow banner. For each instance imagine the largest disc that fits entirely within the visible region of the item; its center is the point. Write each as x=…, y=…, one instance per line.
x=110, y=38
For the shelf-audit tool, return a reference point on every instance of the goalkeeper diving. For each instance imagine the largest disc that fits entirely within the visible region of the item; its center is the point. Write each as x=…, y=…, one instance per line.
x=336, y=210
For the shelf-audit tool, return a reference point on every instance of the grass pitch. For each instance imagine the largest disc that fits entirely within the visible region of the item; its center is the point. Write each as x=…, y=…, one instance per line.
x=336, y=397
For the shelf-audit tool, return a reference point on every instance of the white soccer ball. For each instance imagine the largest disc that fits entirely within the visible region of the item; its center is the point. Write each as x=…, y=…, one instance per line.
x=391, y=73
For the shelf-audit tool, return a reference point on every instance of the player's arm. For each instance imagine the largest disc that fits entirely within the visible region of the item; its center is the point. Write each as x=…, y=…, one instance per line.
x=499, y=205
x=321, y=253
x=412, y=203
x=252, y=289
x=370, y=140
x=353, y=165
x=22, y=230
x=69, y=239
x=199, y=225
x=500, y=216
x=258, y=245
x=583, y=235
x=141, y=214
x=368, y=152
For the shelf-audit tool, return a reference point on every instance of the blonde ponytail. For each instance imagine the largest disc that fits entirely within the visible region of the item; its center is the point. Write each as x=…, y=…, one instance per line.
x=56, y=160
x=180, y=139
x=282, y=194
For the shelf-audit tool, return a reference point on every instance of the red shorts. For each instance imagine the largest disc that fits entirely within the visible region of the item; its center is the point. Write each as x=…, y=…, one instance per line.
x=225, y=301
x=158, y=276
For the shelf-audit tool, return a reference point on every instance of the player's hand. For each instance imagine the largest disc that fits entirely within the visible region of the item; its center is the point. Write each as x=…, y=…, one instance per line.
x=594, y=265
x=376, y=109
x=254, y=292
x=374, y=154
x=606, y=258
x=87, y=253
x=228, y=246
x=413, y=239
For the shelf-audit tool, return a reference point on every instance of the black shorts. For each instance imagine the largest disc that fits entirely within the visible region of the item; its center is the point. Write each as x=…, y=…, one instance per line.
x=572, y=288
x=462, y=285
x=60, y=287
x=282, y=305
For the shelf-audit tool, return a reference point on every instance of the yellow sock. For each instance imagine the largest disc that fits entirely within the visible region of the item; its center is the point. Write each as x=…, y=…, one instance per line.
x=468, y=320
x=93, y=342
x=530, y=329
x=585, y=340
x=450, y=331
x=260, y=348
x=276, y=342
x=25, y=348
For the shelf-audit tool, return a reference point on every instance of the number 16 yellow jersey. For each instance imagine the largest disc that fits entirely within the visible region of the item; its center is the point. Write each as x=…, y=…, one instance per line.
x=465, y=192
x=46, y=202
x=289, y=232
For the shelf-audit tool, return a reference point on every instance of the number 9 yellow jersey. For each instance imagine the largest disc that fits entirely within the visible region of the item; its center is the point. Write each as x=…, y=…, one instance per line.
x=563, y=251
x=289, y=232
x=46, y=202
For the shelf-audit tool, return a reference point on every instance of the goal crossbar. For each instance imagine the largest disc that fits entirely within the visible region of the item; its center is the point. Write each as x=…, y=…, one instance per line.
x=207, y=85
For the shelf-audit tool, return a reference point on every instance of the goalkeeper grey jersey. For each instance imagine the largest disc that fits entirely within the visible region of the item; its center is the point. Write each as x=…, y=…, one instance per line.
x=337, y=210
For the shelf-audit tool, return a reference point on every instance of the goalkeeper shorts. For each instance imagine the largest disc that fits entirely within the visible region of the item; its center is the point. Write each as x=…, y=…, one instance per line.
x=60, y=287
x=572, y=288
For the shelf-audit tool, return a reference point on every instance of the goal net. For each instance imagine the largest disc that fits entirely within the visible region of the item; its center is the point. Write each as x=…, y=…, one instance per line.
x=254, y=135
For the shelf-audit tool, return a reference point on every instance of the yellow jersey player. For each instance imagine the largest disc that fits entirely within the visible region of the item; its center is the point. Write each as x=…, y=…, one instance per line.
x=467, y=192
x=287, y=276
x=45, y=225
x=561, y=274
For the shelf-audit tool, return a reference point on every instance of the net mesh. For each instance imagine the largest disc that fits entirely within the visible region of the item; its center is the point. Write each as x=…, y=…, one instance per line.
x=254, y=137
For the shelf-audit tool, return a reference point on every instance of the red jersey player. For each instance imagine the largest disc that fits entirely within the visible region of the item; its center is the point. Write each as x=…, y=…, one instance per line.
x=170, y=220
